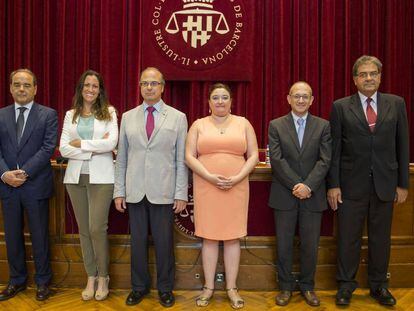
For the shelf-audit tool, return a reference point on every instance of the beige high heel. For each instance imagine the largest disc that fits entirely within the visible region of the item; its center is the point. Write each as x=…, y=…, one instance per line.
x=89, y=291
x=237, y=302
x=103, y=290
x=203, y=301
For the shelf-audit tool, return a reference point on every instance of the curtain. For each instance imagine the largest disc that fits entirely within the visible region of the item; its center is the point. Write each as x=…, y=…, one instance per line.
x=312, y=40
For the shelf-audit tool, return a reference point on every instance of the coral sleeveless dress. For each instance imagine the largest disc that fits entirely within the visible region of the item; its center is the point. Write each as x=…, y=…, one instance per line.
x=221, y=214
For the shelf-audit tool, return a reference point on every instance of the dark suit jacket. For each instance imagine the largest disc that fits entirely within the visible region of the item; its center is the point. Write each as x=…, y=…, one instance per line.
x=292, y=164
x=32, y=154
x=357, y=152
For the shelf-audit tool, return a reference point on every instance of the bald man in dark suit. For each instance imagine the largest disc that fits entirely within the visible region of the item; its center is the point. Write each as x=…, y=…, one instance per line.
x=300, y=154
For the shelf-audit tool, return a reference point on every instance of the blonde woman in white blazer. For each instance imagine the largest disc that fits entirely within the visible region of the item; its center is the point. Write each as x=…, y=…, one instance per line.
x=89, y=136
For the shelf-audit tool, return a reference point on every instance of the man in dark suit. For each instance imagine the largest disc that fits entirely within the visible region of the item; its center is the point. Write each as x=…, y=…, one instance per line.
x=28, y=134
x=300, y=155
x=369, y=172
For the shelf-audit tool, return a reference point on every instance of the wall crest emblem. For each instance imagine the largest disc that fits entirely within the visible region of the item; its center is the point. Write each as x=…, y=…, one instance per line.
x=197, y=34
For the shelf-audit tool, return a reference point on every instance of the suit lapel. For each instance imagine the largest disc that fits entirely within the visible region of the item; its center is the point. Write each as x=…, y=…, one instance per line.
x=140, y=117
x=309, y=129
x=160, y=121
x=356, y=108
x=383, y=107
x=290, y=124
x=31, y=122
x=11, y=124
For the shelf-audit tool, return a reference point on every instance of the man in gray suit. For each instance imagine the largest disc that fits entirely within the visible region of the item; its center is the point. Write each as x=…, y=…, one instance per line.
x=300, y=155
x=151, y=180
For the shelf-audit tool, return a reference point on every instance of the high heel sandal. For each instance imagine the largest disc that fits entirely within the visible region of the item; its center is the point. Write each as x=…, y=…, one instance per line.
x=89, y=291
x=238, y=302
x=203, y=301
x=103, y=291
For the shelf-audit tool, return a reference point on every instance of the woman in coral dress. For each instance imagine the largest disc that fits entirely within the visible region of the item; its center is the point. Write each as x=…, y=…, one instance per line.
x=222, y=151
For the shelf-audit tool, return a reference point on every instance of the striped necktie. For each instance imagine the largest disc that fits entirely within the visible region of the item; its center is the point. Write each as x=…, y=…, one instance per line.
x=371, y=115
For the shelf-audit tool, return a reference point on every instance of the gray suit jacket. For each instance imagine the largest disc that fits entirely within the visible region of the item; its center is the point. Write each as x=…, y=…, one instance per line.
x=154, y=168
x=292, y=164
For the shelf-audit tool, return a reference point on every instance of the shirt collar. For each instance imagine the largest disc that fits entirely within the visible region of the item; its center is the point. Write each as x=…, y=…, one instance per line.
x=28, y=106
x=296, y=117
x=363, y=98
x=156, y=106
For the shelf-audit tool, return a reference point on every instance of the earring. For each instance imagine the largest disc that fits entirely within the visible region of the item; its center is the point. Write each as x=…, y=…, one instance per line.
x=209, y=110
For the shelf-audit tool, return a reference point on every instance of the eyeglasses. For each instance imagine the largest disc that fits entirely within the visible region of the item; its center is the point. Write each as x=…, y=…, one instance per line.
x=298, y=97
x=149, y=83
x=372, y=74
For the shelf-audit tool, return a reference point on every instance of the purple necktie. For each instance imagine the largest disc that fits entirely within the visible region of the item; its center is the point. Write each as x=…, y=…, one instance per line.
x=150, y=121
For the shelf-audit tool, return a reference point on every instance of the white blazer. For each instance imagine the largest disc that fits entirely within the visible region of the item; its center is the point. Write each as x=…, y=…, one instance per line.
x=97, y=151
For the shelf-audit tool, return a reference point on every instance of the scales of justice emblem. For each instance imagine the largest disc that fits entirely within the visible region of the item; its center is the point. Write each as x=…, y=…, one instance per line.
x=196, y=22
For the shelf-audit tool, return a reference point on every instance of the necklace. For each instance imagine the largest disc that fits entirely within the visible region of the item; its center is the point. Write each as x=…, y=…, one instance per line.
x=222, y=126
x=86, y=114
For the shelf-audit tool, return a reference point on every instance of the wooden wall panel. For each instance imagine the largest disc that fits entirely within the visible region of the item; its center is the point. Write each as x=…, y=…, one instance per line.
x=258, y=255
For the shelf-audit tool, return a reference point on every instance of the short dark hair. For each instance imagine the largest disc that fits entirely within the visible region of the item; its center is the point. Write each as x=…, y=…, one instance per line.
x=26, y=71
x=219, y=86
x=366, y=59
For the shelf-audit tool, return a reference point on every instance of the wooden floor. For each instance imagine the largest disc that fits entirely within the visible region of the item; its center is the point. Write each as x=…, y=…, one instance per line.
x=69, y=299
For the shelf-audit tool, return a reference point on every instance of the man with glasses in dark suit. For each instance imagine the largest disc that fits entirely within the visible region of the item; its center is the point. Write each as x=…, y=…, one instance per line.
x=369, y=173
x=300, y=154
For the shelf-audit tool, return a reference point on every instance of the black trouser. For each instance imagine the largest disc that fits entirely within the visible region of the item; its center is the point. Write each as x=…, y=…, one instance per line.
x=351, y=220
x=38, y=218
x=160, y=219
x=309, y=232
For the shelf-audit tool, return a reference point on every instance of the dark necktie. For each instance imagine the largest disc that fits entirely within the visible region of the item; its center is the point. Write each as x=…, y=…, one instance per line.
x=20, y=123
x=371, y=115
x=150, y=121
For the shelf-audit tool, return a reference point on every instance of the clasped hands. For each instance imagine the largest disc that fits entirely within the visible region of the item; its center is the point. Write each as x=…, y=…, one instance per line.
x=223, y=182
x=301, y=191
x=15, y=178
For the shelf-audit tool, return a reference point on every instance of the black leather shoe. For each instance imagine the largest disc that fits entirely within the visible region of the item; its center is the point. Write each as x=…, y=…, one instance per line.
x=166, y=299
x=343, y=297
x=11, y=290
x=283, y=298
x=43, y=292
x=135, y=297
x=311, y=298
x=383, y=296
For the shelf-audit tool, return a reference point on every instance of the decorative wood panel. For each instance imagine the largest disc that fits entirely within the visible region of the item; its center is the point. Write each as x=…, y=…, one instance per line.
x=257, y=269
